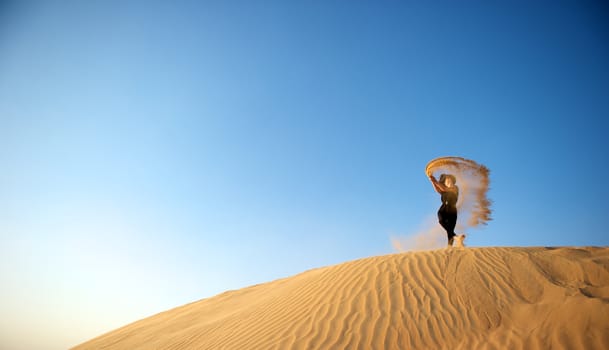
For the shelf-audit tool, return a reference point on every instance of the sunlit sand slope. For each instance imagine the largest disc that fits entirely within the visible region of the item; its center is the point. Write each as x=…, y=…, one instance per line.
x=473, y=298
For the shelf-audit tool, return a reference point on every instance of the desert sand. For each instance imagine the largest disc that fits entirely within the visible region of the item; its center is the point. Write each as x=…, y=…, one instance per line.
x=472, y=298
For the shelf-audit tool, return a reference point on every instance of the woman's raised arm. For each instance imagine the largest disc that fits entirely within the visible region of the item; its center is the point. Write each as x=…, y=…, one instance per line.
x=436, y=185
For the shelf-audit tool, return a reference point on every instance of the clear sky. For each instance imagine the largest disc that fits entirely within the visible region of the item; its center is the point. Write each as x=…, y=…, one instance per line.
x=155, y=154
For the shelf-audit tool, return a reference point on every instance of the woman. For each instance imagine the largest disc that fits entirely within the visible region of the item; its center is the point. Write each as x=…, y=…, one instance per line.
x=449, y=193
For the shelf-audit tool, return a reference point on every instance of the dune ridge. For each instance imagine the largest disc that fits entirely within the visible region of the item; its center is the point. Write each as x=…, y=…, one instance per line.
x=473, y=298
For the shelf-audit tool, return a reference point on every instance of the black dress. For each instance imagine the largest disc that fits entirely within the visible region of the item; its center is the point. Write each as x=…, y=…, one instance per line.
x=447, y=214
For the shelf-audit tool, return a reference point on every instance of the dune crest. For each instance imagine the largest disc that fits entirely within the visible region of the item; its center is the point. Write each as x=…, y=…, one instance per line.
x=473, y=298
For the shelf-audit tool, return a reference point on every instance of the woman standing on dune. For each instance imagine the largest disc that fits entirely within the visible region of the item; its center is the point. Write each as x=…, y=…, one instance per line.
x=449, y=194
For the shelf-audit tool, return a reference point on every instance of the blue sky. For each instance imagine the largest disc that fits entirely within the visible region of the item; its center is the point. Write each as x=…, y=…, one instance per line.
x=156, y=154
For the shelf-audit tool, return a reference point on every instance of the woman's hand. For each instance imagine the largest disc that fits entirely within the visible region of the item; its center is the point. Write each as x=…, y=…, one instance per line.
x=438, y=187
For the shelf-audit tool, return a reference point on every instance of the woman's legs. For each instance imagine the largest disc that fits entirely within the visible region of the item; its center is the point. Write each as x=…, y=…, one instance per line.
x=448, y=220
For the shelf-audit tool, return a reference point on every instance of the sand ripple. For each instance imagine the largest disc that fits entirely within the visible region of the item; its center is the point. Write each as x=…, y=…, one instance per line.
x=478, y=298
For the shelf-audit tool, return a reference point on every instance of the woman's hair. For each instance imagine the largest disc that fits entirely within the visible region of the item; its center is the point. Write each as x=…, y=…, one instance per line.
x=443, y=177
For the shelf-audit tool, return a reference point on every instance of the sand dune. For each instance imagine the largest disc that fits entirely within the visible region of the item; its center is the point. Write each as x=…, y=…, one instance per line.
x=473, y=298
